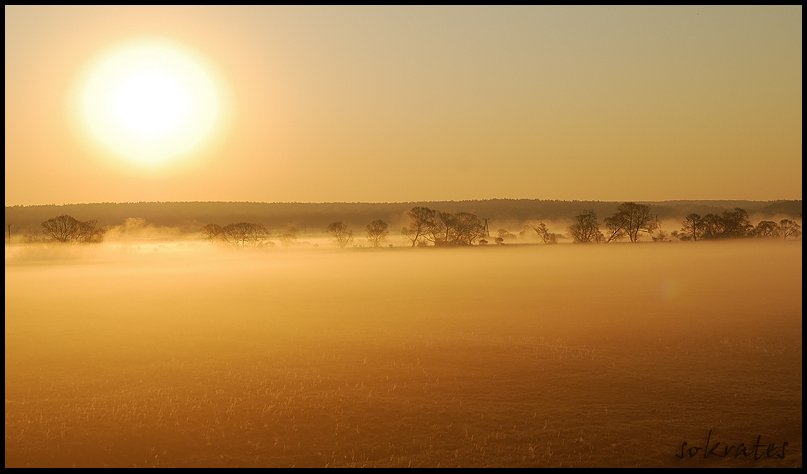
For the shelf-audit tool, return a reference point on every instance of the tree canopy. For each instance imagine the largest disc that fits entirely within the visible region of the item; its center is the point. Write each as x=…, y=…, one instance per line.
x=67, y=229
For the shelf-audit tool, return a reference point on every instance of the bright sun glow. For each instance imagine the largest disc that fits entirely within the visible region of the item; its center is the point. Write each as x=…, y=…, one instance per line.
x=150, y=100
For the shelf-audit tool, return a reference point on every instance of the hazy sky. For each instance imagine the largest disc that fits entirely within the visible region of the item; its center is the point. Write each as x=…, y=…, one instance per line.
x=425, y=103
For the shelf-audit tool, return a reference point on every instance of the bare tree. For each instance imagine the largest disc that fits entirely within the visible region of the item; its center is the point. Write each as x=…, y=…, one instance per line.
x=788, y=228
x=245, y=235
x=586, y=229
x=729, y=224
x=442, y=232
x=766, y=230
x=713, y=226
x=452, y=230
x=692, y=228
x=630, y=219
x=340, y=233
x=88, y=233
x=421, y=221
x=67, y=229
x=443, y=229
x=468, y=229
x=546, y=236
x=736, y=223
x=212, y=231
x=377, y=232
x=62, y=228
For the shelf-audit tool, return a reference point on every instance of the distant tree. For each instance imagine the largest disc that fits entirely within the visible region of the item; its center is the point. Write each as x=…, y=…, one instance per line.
x=766, y=230
x=788, y=228
x=245, y=235
x=377, y=233
x=67, y=229
x=288, y=238
x=62, y=228
x=468, y=229
x=546, y=236
x=713, y=227
x=727, y=225
x=421, y=222
x=692, y=228
x=452, y=230
x=89, y=234
x=443, y=229
x=586, y=229
x=212, y=231
x=736, y=223
x=630, y=219
x=340, y=233
x=499, y=241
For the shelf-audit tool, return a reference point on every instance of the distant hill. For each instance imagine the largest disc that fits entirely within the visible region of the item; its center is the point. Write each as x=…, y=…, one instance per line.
x=190, y=216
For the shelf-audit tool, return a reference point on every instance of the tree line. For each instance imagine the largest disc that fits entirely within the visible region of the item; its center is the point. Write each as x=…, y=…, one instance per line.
x=632, y=220
x=430, y=227
x=190, y=216
x=733, y=224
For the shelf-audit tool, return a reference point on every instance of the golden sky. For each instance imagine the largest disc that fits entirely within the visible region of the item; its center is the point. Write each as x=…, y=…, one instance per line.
x=371, y=104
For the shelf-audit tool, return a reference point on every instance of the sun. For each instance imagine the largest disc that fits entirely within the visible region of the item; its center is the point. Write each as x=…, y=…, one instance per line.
x=151, y=103
x=150, y=100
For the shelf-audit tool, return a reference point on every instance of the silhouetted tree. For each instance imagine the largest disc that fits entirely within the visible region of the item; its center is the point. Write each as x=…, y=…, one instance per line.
x=212, y=231
x=89, y=234
x=630, y=219
x=340, y=233
x=452, y=230
x=442, y=231
x=421, y=222
x=377, y=232
x=729, y=224
x=546, y=236
x=735, y=223
x=468, y=229
x=713, y=227
x=766, y=230
x=245, y=235
x=788, y=228
x=586, y=229
x=66, y=229
x=61, y=229
x=692, y=228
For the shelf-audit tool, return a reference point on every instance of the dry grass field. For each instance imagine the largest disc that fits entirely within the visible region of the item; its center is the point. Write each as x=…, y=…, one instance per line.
x=533, y=356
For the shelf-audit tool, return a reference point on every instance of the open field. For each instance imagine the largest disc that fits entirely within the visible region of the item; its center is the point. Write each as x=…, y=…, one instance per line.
x=567, y=355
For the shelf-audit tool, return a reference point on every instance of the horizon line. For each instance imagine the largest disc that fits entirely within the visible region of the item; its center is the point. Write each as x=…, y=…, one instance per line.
x=398, y=202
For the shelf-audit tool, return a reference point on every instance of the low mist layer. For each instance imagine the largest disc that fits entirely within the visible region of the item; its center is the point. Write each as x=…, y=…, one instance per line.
x=194, y=355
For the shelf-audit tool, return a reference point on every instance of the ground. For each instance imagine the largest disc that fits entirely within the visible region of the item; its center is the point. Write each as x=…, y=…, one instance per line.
x=568, y=355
